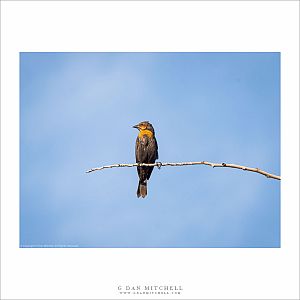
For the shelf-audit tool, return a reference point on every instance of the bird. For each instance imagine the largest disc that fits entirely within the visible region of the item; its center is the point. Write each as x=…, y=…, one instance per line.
x=146, y=151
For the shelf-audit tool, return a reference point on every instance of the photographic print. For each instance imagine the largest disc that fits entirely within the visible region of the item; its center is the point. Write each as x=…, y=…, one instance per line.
x=149, y=150
x=81, y=110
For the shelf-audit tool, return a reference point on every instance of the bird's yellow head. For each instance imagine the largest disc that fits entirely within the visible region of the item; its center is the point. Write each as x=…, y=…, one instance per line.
x=145, y=128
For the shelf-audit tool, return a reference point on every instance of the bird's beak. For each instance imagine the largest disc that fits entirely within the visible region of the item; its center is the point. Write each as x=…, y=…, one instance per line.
x=135, y=126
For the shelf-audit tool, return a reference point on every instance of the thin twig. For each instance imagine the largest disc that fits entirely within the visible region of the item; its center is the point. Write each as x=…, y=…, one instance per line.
x=179, y=164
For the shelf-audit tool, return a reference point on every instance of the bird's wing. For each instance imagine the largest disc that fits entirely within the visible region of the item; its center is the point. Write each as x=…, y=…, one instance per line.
x=156, y=146
x=152, y=150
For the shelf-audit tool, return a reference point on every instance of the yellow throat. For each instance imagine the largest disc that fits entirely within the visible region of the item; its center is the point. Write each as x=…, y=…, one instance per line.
x=145, y=132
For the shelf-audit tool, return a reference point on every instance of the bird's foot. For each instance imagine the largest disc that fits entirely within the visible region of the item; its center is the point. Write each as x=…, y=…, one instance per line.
x=159, y=164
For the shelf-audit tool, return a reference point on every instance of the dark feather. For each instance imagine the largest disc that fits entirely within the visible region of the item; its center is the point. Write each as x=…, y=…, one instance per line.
x=145, y=152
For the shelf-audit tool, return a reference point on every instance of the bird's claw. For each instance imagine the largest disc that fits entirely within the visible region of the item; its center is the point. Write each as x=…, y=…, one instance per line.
x=159, y=164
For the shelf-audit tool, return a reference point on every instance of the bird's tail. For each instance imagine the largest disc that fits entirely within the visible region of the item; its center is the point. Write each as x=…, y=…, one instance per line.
x=142, y=189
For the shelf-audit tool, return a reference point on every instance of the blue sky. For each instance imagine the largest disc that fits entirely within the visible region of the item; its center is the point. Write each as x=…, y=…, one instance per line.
x=77, y=112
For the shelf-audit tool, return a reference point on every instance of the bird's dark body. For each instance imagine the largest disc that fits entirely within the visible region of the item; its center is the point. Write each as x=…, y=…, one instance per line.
x=146, y=151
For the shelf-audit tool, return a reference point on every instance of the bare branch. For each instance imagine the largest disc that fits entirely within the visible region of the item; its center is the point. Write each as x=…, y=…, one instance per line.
x=179, y=164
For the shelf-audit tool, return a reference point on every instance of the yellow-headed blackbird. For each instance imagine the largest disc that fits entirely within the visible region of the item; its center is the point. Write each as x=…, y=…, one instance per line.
x=146, y=151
